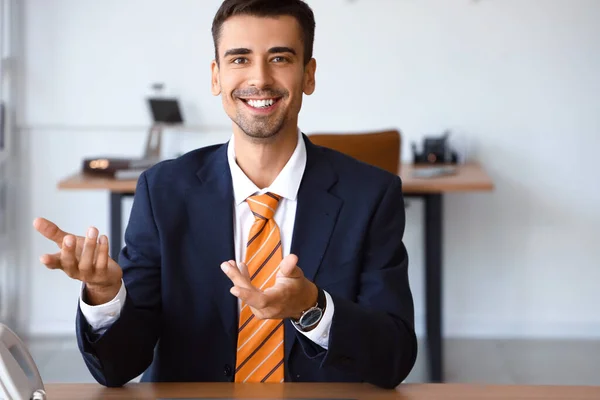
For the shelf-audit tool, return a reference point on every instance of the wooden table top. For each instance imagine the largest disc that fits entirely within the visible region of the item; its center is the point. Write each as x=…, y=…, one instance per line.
x=320, y=390
x=468, y=178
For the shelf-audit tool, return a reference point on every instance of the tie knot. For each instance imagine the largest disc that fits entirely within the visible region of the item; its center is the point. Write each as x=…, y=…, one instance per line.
x=263, y=206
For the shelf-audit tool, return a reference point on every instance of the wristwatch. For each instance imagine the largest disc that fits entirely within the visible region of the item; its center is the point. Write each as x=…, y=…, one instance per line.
x=311, y=317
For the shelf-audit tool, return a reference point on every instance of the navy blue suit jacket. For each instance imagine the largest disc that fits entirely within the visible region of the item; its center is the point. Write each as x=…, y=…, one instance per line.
x=179, y=320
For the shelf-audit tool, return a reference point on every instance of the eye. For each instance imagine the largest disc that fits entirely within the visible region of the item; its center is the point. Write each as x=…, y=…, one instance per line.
x=279, y=59
x=239, y=60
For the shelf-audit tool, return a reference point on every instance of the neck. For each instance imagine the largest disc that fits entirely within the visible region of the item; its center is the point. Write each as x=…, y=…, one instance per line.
x=263, y=159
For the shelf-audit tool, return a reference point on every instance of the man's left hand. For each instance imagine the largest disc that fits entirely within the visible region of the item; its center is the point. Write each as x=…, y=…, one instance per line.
x=291, y=294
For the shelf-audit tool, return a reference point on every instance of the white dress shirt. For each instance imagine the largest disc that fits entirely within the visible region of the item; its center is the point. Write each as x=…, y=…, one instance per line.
x=286, y=185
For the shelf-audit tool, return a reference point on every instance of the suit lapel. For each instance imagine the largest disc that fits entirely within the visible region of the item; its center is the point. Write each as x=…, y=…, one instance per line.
x=316, y=214
x=210, y=209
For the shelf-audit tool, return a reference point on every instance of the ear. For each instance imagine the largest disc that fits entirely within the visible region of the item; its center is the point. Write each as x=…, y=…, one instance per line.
x=309, y=77
x=215, y=86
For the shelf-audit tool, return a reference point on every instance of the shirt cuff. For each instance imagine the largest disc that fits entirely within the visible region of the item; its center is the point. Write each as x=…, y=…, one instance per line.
x=320, y=334
x=102, y=316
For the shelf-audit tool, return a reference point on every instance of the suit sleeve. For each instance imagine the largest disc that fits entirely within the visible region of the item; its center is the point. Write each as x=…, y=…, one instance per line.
x=126, y=348
x=374, y=338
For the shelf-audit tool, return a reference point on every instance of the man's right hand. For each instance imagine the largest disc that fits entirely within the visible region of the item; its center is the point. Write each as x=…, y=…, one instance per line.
x=83, y=258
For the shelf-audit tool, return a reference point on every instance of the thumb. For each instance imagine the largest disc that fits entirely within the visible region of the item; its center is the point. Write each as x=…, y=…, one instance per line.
x=288, y=266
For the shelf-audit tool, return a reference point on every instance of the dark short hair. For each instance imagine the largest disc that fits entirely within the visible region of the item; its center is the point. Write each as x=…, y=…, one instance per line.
x=268, y=8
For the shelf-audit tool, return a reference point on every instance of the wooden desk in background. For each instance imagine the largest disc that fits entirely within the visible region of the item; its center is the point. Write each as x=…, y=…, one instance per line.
x=469, y=178
x=319, y=391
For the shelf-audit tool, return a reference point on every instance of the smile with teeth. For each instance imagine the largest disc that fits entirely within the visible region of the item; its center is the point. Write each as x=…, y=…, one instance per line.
x=261, y=103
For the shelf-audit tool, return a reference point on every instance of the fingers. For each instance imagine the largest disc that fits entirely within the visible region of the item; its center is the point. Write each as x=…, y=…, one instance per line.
x=86, y=263
x=289, y=267
x=234, y=274
x=254, y=298
x=50, y=230
x=243, y=288
x=68, y=260
x=52, y=261
x=102, y=255
x=263, y=304
x=244, y=271
x=85, y=259
x=276, y=302
x=267, y=304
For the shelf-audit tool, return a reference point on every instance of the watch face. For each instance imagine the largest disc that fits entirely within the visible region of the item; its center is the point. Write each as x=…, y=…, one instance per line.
x=311, y=317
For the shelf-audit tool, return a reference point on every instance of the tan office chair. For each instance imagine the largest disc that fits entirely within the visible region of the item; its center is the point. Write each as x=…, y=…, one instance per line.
x=381, y=149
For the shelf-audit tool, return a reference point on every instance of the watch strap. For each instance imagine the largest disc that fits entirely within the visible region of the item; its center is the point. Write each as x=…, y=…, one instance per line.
x=320, y=306
x=321, y=299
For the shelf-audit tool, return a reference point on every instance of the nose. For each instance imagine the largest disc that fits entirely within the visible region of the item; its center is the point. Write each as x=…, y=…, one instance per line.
x=260, y=75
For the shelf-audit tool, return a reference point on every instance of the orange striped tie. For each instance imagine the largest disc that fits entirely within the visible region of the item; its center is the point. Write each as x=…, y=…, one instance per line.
x=260, y=343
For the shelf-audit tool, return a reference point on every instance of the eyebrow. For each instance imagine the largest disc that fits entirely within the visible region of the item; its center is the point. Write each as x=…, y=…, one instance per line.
x=282, y=49
x=236, y=52
x=273, y=50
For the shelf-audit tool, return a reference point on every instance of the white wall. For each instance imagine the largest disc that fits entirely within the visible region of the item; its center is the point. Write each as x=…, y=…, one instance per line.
x=517, y=78
x=9, y=268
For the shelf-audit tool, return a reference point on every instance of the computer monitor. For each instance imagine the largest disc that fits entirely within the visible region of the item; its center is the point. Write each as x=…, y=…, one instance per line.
x=165, y=111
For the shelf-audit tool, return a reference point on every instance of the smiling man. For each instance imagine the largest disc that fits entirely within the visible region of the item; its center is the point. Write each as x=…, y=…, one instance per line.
x=264, y=259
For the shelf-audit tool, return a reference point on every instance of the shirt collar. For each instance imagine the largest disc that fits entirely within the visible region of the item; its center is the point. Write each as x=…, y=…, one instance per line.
x=286, y=184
